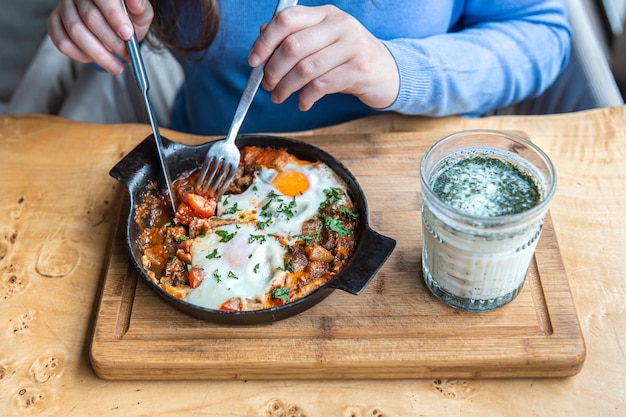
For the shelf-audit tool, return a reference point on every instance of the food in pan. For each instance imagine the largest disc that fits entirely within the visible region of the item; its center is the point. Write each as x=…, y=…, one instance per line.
x=284, y=228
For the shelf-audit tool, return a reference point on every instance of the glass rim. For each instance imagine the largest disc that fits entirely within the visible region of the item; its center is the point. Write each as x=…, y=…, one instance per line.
x=473, y=219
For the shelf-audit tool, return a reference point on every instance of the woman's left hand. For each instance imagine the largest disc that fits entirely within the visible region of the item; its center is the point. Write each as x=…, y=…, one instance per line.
x=323, y=50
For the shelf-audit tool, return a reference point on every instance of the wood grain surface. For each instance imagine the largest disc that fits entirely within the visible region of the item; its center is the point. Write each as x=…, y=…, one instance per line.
x=394, y=329
x=58, y=211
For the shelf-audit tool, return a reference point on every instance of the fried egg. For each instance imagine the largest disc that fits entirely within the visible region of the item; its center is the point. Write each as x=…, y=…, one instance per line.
x=237, y=263
x=246, y=259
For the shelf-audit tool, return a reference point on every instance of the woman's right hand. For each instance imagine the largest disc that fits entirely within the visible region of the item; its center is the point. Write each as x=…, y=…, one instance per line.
x=97, y=30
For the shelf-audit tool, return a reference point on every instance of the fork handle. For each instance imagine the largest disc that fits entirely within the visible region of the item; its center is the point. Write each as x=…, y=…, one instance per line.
x=283, y=4
x=256, y=76
x=254, y=81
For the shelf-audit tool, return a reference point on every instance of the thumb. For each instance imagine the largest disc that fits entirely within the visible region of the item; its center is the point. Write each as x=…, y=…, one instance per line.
x=141, y=14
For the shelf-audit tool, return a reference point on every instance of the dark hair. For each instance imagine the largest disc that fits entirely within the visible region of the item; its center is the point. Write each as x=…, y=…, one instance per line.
x=170, y=15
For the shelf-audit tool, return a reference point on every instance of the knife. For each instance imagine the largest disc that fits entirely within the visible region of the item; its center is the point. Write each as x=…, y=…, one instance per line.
x=141, y=77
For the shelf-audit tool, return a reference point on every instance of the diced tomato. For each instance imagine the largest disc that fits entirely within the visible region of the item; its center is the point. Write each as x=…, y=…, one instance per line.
x=196, y=276
x=232, y=304
x=184, y=214
x=202, y=206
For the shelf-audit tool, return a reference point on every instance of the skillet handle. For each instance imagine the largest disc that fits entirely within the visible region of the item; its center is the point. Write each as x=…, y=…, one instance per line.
x=136, y=164
x=366, y=263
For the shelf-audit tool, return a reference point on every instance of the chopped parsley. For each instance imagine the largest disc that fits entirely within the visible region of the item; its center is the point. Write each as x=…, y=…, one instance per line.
x=224, y=235
x=272, y=196
x=232, y=209
x=333, y=196
x=337, y=225
x=267, y=214
x=256, y=238
x=281, y=293
x=353, y=214
x=308, y=239
x=263, y=225
x=287, y=266
x=213, y=255
x=288, y=209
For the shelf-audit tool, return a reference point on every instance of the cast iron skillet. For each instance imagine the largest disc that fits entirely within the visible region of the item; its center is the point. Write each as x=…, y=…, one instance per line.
x=141, y=167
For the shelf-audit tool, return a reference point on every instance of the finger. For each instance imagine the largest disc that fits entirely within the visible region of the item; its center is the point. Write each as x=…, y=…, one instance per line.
x=296, y=51
x=62, y=41
x=287, y=22
x=111, y=13
x=141, y=14
x=337, y=80
x=302, y=73
x=330, y=26
x=372, y=77
x=96, y=21
x=312, y=52
x=86, y=41
x=325, y=72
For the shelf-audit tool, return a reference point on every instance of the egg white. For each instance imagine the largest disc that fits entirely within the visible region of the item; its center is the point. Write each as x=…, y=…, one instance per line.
x=241, y=267
x=265, y=220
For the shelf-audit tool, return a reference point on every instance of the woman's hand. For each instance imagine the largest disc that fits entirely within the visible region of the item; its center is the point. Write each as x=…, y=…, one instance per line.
x=323, y=50
x=96, y=30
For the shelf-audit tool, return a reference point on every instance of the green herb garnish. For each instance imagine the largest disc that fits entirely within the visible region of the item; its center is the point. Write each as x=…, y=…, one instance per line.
x=224, y=235
x=288, y=209
x=287, y=266
x=333, y=196
x=281, y=293
x=256, y=238
x=232, y=210
x=337, y=225
x=353, y=214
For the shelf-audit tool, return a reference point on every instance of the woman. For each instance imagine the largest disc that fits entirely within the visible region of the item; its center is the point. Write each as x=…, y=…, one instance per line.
x=330, y=63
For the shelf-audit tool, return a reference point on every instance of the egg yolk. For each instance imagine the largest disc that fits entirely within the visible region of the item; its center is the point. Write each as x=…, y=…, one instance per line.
x=291, y=183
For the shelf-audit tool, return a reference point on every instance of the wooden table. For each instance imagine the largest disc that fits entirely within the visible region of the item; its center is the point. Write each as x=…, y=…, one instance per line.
x=53, y=251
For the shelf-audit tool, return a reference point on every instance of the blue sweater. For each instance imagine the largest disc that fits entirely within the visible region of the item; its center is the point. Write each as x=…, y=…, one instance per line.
x=454, y=57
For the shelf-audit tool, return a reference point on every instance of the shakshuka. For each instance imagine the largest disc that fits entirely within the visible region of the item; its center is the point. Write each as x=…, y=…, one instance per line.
x=283, y=228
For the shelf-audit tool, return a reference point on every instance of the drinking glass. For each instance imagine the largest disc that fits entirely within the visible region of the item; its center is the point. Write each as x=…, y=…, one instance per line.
x=477, y=244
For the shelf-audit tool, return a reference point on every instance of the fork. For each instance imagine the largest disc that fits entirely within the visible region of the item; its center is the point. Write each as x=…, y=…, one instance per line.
x=222, y=158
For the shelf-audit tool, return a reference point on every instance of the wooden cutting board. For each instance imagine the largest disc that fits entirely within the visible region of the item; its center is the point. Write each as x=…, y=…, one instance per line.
x=394, y=329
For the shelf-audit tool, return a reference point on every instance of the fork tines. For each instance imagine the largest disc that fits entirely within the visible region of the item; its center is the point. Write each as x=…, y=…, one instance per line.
x=214, y=178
